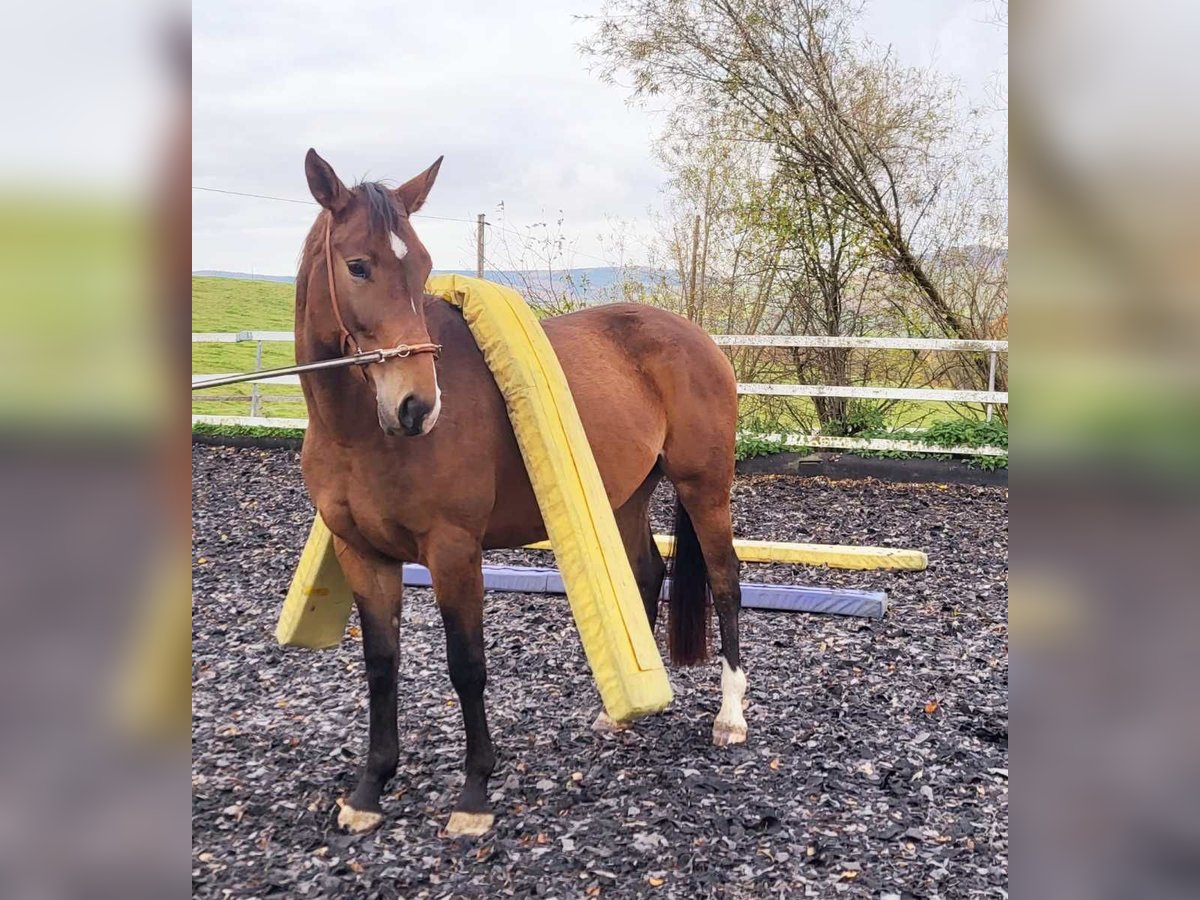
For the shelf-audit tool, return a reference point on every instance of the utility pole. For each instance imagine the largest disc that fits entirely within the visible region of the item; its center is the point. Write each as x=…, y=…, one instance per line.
x=480, y=224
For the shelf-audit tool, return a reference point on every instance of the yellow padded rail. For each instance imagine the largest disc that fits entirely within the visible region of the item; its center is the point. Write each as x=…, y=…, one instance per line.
x=152, y=692
x=600, y=587
x=835, y=556
x=319, y=601
x=601, y=590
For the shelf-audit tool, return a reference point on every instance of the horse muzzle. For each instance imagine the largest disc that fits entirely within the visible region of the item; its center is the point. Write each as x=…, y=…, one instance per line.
x=414, y=415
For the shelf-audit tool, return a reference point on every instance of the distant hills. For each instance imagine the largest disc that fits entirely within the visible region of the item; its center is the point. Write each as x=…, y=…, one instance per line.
x=586, y=281
x=243, y=276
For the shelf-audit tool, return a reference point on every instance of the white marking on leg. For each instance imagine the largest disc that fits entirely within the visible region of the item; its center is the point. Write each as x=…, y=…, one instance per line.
x=431, y=419
x=357, y=821
x=730, y=724
x=465, y=824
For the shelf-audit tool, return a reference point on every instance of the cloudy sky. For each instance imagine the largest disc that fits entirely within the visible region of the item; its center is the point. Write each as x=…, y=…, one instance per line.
x=382, y=88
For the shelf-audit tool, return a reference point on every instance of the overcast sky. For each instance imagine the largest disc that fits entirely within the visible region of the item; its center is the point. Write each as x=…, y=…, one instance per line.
x=382, y=88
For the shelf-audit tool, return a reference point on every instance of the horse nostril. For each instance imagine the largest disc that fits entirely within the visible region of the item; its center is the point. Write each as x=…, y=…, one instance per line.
x=412, y=414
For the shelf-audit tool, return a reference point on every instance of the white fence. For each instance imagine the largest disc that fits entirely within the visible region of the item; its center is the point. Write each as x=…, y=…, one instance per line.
x=991, y=397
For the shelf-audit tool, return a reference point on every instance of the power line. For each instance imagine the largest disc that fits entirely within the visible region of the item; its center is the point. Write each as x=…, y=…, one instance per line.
x=213, y=190
x=493, y=225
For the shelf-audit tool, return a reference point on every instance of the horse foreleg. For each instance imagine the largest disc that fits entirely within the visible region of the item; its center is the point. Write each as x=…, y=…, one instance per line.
x=377, y=586
x=455, y=564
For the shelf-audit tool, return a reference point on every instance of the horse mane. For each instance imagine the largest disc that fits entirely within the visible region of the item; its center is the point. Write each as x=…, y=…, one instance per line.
x=381, y=206
x=382, y=215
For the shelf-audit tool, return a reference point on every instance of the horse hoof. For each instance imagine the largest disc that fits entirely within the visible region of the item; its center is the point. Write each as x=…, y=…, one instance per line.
x=469, y=824
x=605, y=725
x=357, y=821
x=726, y=733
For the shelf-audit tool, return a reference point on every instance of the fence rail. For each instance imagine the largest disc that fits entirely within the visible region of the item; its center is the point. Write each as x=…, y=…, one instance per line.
x=864, y=343
x=239, y=337
x=990, y=398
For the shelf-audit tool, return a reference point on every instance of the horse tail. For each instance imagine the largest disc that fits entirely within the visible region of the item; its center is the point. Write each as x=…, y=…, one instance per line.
x=687, y=620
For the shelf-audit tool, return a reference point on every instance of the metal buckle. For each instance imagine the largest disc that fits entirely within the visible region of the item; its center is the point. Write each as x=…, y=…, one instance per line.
x=400, y=351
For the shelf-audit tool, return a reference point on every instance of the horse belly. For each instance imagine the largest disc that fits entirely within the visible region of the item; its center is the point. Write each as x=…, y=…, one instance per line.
x=515, y=519
x=625, y=431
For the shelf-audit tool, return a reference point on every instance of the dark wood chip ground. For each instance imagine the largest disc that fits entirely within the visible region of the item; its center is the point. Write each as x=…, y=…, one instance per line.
x=877, y=763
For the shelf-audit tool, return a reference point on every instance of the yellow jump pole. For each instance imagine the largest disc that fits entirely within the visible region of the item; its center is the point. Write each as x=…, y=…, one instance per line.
x=318, y=603
x=833, y=555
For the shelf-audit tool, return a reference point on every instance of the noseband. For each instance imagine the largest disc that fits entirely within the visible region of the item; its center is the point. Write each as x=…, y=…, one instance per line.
x=400, y=351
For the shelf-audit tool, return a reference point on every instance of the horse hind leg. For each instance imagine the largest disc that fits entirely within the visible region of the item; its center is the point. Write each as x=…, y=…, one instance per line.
x=633, y=521
x=704, y=516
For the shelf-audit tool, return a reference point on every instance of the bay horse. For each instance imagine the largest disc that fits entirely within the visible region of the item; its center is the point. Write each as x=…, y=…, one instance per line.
x=413, y=459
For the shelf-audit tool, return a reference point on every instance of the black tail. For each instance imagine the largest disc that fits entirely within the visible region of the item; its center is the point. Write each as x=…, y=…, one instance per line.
x=687, y=623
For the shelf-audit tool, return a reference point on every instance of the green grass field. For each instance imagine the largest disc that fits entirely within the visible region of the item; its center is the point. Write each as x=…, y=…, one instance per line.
x=228, y=305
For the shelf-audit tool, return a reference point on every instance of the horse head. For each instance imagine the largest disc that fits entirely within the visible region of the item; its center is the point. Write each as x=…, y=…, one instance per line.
x=376, y=268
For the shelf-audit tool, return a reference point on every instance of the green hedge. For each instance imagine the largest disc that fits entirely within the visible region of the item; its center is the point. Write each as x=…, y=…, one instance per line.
x=955, y=433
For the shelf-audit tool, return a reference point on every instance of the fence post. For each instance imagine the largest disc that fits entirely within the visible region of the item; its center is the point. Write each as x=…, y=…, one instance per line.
x=480, y=223
x=991, y=380
x=255, y=399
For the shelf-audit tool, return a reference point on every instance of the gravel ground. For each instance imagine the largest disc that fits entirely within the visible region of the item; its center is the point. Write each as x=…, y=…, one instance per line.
x=877, y=763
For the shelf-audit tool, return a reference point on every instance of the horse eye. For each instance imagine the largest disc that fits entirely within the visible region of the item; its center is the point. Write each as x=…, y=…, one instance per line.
x=357, y=268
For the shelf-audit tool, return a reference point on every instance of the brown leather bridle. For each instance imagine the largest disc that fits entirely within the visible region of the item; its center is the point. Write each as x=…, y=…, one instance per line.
x=400, y=351
x=359, y=357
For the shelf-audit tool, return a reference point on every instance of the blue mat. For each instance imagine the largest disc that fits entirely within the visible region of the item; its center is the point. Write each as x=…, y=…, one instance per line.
x=786, y=597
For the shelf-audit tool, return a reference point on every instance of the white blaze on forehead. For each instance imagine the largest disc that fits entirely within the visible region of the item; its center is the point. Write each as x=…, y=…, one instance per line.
x=401, y=250
x=398, y=246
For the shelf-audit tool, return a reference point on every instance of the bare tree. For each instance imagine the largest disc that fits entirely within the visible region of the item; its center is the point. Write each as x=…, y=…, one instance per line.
x=826, y=266
x=536, y=261
x=830, y=105
x=726, y=271
x=753, y=253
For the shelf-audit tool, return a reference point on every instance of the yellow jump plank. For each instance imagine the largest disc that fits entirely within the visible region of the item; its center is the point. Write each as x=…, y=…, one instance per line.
x=153, y=687
x=319, y=601
x=601, y=590
x=833, y=555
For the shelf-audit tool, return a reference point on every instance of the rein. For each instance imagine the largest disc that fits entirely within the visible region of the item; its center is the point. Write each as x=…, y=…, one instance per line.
x=358, y=356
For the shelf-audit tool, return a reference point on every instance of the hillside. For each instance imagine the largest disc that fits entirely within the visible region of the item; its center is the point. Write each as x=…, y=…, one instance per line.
x=226, y=304
x=588, y=282
x=243, y=276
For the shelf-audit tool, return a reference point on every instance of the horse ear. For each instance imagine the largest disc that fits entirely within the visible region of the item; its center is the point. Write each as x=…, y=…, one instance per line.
x=327, y=189
x=413, y=192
